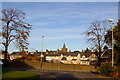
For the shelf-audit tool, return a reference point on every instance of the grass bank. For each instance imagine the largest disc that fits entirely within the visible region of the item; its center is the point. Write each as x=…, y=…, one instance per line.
x=16, y=75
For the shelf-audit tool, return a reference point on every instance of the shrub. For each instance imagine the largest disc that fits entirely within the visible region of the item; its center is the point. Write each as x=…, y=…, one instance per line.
x=105, y=69
x=115, y=75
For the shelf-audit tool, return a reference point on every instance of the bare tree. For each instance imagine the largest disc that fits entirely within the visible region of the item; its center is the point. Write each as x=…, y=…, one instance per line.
x=22, y=45
x=14, y=28
x=95, y=35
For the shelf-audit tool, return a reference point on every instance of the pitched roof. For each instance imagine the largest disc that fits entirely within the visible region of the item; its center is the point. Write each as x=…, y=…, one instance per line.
x=16, y=53
x=85, y=60
x=106, y=54
x=64, y=53
x=57, y=54
x=87, y=54
x=63, y=58
x=74, y=59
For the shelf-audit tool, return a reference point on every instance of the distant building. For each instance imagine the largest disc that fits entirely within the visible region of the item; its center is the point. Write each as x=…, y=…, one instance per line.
x=73, y=58
x=64, y=49
x=67, y=57
x=62, y=56
x=106, y=56
x=1, y=56
x=15, y=55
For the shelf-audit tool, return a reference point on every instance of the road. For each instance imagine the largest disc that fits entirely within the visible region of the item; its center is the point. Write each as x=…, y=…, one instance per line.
x=69, y=75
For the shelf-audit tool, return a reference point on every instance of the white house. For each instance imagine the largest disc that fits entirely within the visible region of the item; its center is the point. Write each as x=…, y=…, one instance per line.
x=1, y=56
x=73, y=58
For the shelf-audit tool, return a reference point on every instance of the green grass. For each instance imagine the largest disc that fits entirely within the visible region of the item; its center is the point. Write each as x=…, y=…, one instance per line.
x=10, y=75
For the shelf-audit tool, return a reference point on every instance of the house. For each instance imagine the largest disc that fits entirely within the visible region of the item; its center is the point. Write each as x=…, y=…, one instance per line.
x=68, y=57
x=84, y=60
x=51, y=57
x=88, y=58
x=73, y=58
x=1, y=56
x=15, y=55
x=106, y=56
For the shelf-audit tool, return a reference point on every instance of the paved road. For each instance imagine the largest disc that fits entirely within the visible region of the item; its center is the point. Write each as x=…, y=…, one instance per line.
x=63, y=75
x=68, y=75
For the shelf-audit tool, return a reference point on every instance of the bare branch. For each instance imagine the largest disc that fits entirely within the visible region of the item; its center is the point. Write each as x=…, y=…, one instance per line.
x=14, y=28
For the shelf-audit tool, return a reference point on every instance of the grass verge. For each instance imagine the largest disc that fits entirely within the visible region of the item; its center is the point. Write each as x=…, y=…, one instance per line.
x=18, y=75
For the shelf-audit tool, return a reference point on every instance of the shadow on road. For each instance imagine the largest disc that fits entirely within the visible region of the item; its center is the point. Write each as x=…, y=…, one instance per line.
x=54, y=76
x=69, y=76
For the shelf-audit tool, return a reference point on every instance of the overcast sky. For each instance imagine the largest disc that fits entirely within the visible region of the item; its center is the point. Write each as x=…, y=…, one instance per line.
x=62, y=22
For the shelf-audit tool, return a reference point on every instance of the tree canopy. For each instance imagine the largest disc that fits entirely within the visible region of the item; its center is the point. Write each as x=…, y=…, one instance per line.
x=95, y=35
x=116, y=37
x=14, y=28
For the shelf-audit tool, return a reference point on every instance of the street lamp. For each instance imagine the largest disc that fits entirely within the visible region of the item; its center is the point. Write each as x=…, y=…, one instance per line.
x=41, y=55
x=112, y=21
x=42, y=48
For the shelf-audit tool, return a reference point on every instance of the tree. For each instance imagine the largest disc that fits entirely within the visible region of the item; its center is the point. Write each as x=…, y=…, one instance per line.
x=95, y=35
x=22, y=45
x=116, y=37
x=108, y=38
x=14, y=29
x=87, y=50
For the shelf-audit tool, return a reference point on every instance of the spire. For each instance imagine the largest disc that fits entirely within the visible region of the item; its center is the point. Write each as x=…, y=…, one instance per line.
x=64, y=46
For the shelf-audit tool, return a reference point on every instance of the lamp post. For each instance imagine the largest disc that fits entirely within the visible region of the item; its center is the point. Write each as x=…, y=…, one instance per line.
x=42, y=48
x=112, y=21
x=41, y=56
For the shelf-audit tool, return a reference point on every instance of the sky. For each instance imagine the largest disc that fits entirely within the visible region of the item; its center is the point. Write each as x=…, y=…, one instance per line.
x=59, y=0
x=62, y=22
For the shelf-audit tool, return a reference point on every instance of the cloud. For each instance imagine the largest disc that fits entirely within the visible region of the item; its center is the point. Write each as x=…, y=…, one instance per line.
x=63, y=37
x=66, y=15
x=57, y=34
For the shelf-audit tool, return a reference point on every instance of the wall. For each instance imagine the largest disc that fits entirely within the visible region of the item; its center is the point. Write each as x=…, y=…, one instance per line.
x=60, y=66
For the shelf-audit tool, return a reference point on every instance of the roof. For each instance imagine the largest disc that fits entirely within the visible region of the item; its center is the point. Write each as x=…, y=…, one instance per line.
x=39, y=53
x=52, y=54
x=16, y=53
x=63, y=58
x=87, y=54
x=74, y=59
x=84, y=60
x=70, y=54
x=64, y=53
x=106, y=54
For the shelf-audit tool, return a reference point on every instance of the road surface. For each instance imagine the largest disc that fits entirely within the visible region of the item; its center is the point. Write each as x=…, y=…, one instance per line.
x=69, y=75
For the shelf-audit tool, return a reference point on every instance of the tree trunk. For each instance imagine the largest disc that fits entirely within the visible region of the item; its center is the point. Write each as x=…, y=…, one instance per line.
x=99, y=53
x=6, y=58
x=6, y=53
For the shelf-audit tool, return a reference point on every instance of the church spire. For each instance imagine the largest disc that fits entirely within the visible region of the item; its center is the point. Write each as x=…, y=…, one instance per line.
x=64, y=49
x=64, y=46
